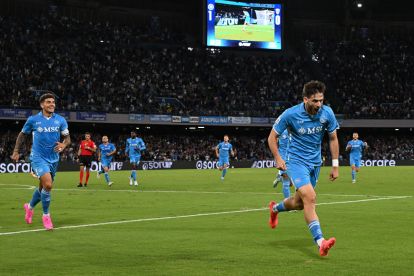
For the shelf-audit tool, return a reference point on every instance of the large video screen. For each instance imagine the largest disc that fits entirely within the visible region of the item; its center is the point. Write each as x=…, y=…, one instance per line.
x=243, y=24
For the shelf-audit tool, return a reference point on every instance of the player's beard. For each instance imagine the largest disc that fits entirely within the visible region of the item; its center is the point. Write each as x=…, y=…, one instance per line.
x=313, y=110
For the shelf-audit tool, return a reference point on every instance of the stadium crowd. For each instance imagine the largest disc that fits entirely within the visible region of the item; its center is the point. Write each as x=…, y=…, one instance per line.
x=87, y=63
x=371, y=73
x=202, y=147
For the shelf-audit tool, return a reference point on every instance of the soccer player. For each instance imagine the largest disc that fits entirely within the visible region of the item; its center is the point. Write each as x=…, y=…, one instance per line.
x=46, y=128
x=86, y=150
x=222, y=152
x=246, y=19
x=307, y=123
x=355, y=147
x=105, y=154
x=282, y=175
x=134, y=146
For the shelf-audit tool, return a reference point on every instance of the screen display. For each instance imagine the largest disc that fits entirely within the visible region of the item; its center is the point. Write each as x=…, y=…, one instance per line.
x=243, y=24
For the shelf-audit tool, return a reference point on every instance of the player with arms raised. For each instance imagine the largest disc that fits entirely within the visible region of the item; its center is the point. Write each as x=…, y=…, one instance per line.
x=282, y=176
x=356, y=147
x=46, y=129
x=86, y=150
x=134, y=146
x=307, y=123
x=105, y=154
x=223, y=150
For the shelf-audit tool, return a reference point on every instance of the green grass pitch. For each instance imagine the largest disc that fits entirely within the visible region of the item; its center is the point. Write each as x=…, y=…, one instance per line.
x=252, y=33
x=189, y=222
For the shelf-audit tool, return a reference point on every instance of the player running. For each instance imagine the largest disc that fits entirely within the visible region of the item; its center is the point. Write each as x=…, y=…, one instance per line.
x=307, y=123
x=85, y=152
x=282, y=175
x=134, y=146
x=222, y=152
x=46, y=128
x=355, y=147
x=247, y=19
x=106, y=152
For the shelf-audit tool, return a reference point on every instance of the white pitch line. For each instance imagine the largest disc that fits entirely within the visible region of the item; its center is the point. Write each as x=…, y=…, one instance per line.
x=172, y=191
x=188, y=216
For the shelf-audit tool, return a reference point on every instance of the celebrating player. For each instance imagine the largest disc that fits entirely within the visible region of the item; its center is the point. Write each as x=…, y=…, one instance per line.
x=134, y=146
x=222, y=152
x=307, y=123
x=86, y=150
x=282, y=176
x=106, y=152
x=46, y=128
x=355, y=147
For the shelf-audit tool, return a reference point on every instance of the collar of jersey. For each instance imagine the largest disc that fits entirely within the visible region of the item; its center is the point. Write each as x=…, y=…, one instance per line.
x=47, y=118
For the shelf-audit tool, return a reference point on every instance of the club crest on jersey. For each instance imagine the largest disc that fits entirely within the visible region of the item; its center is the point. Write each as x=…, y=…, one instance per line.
x=302, y=131
x=56, y=122
x=323, y=120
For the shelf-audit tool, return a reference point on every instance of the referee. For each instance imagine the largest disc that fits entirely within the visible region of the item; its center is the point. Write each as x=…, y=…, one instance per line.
x=86, y=150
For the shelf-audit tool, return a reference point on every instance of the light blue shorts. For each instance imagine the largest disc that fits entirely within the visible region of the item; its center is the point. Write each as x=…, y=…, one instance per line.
x=301, y=174
x=106, y=163
x=41, y=167
x=354, y=161
x=223, y=161
x=135, y=159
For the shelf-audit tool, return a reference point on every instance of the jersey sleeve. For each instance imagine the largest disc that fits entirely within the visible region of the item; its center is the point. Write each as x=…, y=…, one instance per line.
x=219, y=146
x=64, y=130
x=127, y=146
x=28, y=126
x=281, y=123
x=113, y=147
x=332, y=122
x=142, y=145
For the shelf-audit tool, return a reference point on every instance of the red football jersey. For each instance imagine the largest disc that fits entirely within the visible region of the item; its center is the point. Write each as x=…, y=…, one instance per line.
x=84, y=144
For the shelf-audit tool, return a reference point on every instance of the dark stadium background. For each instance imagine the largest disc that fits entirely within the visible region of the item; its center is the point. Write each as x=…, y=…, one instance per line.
x=315, y=34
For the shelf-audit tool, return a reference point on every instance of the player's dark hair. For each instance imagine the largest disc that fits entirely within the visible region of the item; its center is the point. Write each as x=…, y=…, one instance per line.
x=46, y=96
x=226, y=135
x=87, y=133
x=313, y=87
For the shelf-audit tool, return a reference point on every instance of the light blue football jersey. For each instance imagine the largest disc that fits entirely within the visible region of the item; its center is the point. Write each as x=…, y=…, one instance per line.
x=224, y=149
x=45, y=133
x=306, y=132
x=105, y=149
x=134, y=146
x=357, y=146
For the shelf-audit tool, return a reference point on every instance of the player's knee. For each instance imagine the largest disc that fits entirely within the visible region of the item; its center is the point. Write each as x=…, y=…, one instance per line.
x=309, y=199
x=47, y=185
x=299, y=206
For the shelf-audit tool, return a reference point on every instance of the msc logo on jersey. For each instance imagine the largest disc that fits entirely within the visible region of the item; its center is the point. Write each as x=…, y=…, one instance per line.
x=310, y=130
x=47, y=129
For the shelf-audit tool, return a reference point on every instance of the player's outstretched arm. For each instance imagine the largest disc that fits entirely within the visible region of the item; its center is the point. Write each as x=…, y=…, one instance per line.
x=19, y=142
x=272, y=141
x=334, y=147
